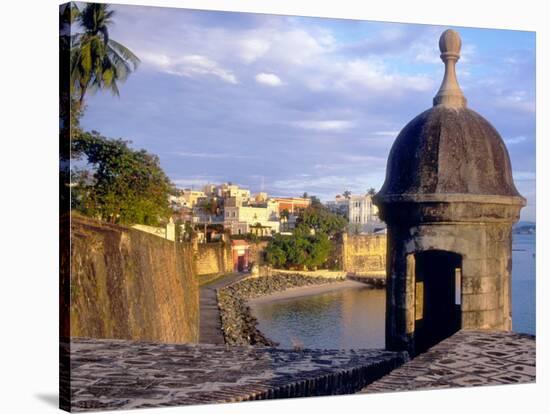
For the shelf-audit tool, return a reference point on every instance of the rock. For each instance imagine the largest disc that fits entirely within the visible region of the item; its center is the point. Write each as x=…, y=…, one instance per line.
x=238, y=324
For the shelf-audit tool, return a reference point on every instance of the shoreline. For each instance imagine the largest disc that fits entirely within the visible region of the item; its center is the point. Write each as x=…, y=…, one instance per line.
x=302, y=291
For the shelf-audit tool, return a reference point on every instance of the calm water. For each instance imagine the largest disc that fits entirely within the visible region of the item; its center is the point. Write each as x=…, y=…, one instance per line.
x=523, y=283
x=354, y=317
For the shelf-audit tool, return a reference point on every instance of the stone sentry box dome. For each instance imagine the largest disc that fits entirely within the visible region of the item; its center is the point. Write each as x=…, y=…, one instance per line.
x=449, y=201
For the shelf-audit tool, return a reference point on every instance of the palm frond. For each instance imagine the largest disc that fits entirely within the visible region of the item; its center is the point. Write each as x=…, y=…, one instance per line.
x=114, y=88
x=119, y=61
x=85, y=58
x=120, y=66
x=126, y=53
x=97, y=61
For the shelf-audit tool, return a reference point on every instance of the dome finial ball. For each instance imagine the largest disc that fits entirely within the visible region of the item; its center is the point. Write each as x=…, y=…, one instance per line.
x=450, y=44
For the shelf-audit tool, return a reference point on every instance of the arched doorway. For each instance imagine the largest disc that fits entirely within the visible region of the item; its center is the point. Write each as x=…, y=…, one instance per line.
x=438, y=276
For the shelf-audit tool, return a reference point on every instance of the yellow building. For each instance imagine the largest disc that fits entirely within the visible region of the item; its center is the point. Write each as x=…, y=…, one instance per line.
x=189, y=198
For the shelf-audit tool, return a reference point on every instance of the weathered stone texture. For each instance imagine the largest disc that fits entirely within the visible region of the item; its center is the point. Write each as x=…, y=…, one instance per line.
x=468, y=358
x=364, y=253
x=213, y=258
x=449, y=150
x=128, y=284
x=108, y=374
x=485, y=273
x=256, y=252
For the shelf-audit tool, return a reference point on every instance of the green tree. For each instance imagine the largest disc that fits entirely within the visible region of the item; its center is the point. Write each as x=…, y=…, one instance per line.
x=122, y=186
x=275, y=252
x=298, y=250
x=317, y=250
x=97, y=61
x=321, y=220
x=316, y=202
x=371, y=191
x=347, y=193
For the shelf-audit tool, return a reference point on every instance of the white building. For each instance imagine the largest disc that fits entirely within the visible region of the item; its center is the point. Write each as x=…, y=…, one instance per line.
x=228, y=190
x=242, y=219
x=361, y=212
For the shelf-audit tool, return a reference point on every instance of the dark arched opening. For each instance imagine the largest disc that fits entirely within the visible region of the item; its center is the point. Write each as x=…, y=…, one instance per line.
x=437, y=297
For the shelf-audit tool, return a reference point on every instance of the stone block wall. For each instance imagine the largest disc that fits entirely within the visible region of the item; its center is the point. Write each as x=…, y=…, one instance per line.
x=127, y=284
x=256, y=252
x=213, y=258
x=363, y=253
x=485, y=249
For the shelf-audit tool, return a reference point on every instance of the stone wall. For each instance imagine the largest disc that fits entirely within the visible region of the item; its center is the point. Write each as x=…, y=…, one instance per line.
x=363, y=254
x=256, y=252
x=127, y=284
x=486, y=255
x=213, y=258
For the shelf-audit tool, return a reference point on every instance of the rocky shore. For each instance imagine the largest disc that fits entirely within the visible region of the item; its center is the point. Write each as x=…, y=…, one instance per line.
x=238, y=324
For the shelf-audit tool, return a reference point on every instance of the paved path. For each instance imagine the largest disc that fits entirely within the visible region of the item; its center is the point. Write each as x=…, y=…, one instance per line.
x=210, y=325
x=466, y=359
x=111, y=374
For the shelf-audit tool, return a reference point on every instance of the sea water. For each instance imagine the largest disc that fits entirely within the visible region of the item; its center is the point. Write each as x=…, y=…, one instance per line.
x=355, y=317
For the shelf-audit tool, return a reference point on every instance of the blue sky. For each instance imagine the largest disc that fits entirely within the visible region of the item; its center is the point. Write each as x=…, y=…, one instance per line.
x=294, y=104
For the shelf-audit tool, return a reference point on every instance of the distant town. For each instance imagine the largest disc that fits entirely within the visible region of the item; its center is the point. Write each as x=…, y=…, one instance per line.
x=227, y=207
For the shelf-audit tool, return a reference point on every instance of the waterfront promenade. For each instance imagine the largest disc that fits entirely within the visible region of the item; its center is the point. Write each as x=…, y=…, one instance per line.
x=210, y=326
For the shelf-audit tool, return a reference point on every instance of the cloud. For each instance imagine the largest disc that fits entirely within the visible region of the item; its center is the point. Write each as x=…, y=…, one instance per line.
x=515, y=140
x=252, y=49
x=212, y=155
x=517, y=101
x=360, y=75
x=524, y=175
x=392, y=134
x=327, y=186
x=375, y=76
x=364, y=159
x=188, y=65
x=196, y=180
x=354, y=86
x=331, y=125
x=269, y=79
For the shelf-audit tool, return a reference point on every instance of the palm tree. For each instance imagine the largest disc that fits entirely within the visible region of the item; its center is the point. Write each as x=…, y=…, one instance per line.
x=97, y=61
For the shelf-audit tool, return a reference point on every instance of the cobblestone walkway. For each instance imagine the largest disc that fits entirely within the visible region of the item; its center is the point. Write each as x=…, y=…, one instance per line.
x=468, y=358
x=117, y=374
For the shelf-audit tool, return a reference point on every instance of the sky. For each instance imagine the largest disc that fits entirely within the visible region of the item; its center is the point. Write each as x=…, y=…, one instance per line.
x=290, y=104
